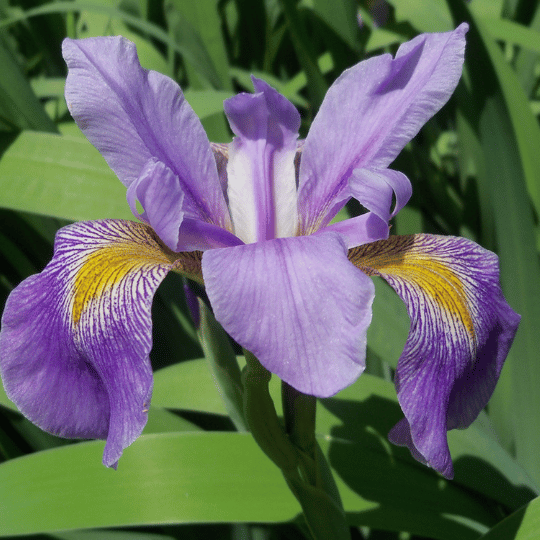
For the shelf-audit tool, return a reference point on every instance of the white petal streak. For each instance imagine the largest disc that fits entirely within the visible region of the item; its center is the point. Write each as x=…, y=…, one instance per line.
x=241, y=192
x=285, y=193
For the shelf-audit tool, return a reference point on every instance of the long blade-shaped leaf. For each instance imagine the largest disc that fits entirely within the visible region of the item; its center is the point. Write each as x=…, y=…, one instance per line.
x=60, y=176
x=218, y=477
x=511, y=149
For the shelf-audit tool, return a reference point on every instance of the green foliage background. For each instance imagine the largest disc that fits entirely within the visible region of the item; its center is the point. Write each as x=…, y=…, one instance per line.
x=475, y=170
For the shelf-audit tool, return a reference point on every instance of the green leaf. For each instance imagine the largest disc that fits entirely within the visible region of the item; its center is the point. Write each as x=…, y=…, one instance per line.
x=206, y=103
x=317, y=86
x=163, y=421
x=364, y=413
x=5, y=401
x=19, y=107
x=197, y=25
x=223, y=365
x=514, y=33
x=521, y=525
x=109, y=535
x=142, y=25
x=190, y=386
x=367, y=410
x=168, y=478
x=389, y=326
x=92, y=24
x=435, y=19
x=510, y=145
x=340, y=15
x=524, y=125
x=60, y=176
x=218, y=477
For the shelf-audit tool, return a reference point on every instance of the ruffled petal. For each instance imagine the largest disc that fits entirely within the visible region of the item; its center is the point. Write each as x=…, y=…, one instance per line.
x=260, y=170
x=196, y=235
x=279, y=300
x=158, y=191
x=75, y=338
x=375, y=189
x=132, y=115
x=461, y=331
x=370, y=112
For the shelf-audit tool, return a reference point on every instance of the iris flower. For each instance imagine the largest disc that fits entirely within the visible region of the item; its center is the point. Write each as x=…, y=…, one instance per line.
x=251, y=220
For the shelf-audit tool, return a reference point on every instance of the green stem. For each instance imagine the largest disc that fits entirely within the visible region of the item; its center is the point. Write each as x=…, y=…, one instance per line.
x=294, y=450
x=260, y=414
x=299, y=414
x=223, y=364
x=316, y=489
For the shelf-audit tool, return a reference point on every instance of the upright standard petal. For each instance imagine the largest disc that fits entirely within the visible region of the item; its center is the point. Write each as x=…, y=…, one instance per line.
x=261, y=173
x=277, y=299
x=75, y=339
x=132, y=115
x=368, y=115
x=461, y=331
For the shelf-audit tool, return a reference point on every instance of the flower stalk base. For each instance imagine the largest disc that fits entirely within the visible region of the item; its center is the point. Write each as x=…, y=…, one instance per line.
x=294, y=450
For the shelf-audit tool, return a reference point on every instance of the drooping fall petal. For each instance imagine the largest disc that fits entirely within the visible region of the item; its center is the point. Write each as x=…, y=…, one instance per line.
x=75, y=338
x=461, y=330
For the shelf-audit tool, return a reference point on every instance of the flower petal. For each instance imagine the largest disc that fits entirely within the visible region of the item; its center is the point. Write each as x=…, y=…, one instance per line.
x=260, y=171
x=132, y=115
x=158, y=191
x=375, y=189
x=280, y=299
x=75, y=338
x=370, y=112
x=461, y=330
x=359, y=230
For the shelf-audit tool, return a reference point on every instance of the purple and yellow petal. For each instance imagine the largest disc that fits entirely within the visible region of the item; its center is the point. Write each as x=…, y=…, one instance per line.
x=278, y=300
x=461, y=331
x=75, y=338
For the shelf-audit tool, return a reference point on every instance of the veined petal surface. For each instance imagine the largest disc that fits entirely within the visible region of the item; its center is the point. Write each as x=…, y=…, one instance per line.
x=370, y=112
x=461, y=330
x=75, y=338
x=278, y=299
x=261, y=175
x=132, y=115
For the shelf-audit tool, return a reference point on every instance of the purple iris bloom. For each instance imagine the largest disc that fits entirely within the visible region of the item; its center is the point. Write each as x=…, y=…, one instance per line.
x=251, y=220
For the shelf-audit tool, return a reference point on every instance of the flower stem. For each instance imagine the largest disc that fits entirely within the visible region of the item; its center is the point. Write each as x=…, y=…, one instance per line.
x=294, y=450
x=223, y=364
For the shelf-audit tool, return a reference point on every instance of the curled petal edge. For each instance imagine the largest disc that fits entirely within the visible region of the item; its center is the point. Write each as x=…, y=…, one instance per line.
x=461, y=331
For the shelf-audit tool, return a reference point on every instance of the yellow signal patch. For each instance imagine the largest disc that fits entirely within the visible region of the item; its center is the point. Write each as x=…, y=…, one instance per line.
x=406, y=259
x=125, y=247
